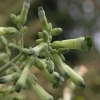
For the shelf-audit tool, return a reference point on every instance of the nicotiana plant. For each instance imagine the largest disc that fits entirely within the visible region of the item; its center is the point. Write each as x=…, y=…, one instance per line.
x=47, y=56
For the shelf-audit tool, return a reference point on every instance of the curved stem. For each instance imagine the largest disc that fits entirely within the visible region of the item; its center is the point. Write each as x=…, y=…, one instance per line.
x=6, y=66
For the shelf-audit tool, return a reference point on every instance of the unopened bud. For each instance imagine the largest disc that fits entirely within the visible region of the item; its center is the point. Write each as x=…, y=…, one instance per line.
x=56, y=31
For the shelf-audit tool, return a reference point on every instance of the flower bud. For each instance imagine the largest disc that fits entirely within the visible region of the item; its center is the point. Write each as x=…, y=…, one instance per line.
x=10, y=77
x=57, y=59
x=22, y=80
x=39, y=91
x=50, y=27
x=64, y=71
x=23, y=15
x=24, y=51
x=59, y=83
x=7, y=31
x=14, y=18
x=3, y=41
x=38, y=41
x=36, y=50
x=40, y=35
x=56, y=31
x=43, y=19
x=45, y=35
x=40, y=64
x=50, y=66
x=11, y=45
x=75, y=78
x=24, y=29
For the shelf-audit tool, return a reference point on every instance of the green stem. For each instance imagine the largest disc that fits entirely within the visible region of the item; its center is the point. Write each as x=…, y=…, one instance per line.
x=21, y=37
x=6, y=66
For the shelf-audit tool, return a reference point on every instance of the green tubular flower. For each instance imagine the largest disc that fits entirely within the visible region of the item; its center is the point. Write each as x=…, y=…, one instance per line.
x=58, y=62
x=23, y=15
x=3, y=41
x=64, y=71
x=57, y=59
x=36, y=50
x=40, y=64
x=80, y=43
x=39, y=91
x=50, y=66
x=22, y=80
x=54, y=78
x=10, y=77
x=43, y=19
x=75, y=78
x=7, y=31
x=56, y=31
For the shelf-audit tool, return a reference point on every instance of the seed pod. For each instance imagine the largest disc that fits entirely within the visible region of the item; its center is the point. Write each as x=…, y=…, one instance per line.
x=14, y=18
x=3, y=41
x=56, y=31
x=75, y=78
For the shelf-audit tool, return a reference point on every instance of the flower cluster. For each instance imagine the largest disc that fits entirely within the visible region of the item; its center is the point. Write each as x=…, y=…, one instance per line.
x=47, y=56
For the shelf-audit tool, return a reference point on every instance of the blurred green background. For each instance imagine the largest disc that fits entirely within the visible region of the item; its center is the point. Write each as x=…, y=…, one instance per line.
x=76, y=18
